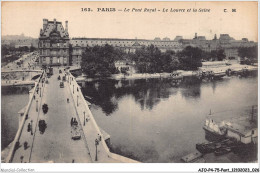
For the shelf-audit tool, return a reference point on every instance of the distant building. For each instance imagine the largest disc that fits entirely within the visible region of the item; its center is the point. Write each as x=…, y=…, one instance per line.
x=166, y=39
x=157, y=39
x=127, y=45
x=18, y=41
x=178, y=38
x=225, y=42
x=54, y=43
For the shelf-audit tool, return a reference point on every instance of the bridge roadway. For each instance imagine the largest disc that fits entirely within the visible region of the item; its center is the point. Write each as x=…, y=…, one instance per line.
x=55, y=144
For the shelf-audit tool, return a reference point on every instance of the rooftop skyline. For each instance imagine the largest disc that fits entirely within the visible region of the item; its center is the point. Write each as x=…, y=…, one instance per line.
x=27, y=18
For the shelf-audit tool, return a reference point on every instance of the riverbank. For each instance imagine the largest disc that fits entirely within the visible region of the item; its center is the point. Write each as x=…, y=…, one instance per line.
x=181, y=73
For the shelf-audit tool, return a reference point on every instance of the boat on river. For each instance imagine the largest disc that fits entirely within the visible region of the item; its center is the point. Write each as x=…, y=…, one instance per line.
x=208, y=147
x=176, y=74
x=192, y=157
x=222, y=151
x=214, y=131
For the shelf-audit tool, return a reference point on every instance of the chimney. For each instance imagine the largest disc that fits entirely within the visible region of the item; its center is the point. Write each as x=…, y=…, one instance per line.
x=66, y=26
x=215, y=37
x=55, y=23
x=252, y=114
x=45, y=23
x=196, y=35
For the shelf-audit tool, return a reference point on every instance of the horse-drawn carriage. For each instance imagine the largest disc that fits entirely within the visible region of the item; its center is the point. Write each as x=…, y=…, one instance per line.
x=75, y=133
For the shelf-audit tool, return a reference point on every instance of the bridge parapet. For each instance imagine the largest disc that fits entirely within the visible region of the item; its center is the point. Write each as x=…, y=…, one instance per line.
x=21, y=75
x=21, y=126
x=90, y=128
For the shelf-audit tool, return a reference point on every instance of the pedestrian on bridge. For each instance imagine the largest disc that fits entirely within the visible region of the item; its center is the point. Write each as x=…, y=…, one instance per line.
x=29, y=127
x=99, y=137
x=71, y=121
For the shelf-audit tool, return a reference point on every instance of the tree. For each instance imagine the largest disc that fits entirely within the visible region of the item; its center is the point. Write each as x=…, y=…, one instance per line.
x=99, y=61
x=169, y=61
x=23, y=49
x=206, y=56
x=190, y=58
x=4, y=50
x=248, y=52
x=148, y=59
x=32, y=48
x=217, y=55
x=221, y=55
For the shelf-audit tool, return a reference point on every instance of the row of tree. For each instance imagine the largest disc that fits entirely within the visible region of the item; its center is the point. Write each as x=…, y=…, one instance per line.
x=5, y=49
x=10, y=53
x=99, y=61
x=248, y=55
x=151, y=60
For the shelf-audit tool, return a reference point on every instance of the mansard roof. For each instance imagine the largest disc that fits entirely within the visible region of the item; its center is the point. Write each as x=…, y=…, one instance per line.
x=51, y=28
x=136, y=44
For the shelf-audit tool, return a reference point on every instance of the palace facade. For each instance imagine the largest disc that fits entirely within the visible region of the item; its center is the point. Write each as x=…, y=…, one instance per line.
x=54, y=43
x=127, y=45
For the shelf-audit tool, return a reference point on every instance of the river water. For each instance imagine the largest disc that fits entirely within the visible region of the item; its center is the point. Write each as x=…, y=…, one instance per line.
x=12, y=101
x=157, y=120
x=153, y=120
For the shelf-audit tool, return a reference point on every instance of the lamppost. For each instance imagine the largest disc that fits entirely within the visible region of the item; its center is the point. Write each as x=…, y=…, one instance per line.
x=36, y=105
x=31, y=127
x=21, y=158
x=96, y=144
x=77, y=100
x=40, y=92
x=84, y=118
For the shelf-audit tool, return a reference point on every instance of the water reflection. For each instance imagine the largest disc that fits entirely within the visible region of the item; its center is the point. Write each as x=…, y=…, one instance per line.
x=102, y=93
x=190, y=87
x=15, y=90
x=160, y=120
x=146, y=92
x=13, y=99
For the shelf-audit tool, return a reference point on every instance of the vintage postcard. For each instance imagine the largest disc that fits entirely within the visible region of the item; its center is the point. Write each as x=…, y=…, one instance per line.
x=129, y=82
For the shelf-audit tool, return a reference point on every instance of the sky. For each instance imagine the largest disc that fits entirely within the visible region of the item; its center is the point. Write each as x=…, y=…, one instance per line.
x=27, y=18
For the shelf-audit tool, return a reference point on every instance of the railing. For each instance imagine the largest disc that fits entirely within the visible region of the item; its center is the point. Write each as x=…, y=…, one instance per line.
x=14, y=71
x=18, y=134
x=112, y=155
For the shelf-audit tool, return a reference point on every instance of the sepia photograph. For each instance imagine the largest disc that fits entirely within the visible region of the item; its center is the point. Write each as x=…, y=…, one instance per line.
x=129, y=82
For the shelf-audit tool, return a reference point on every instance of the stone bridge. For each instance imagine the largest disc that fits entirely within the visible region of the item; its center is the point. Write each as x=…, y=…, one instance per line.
x=45, y=137
x=23, y=75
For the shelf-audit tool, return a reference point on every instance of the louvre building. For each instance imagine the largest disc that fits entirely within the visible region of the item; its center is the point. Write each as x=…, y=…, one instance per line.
x=54, y=44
